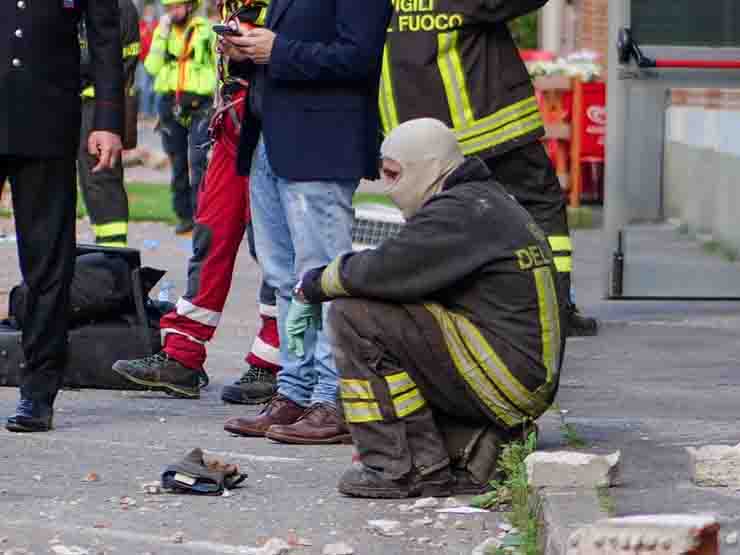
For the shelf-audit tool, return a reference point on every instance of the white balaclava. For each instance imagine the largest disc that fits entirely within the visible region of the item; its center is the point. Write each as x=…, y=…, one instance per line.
x=428, y=152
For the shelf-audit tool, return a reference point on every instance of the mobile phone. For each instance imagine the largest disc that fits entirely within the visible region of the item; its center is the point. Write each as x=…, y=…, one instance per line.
x=225, y=30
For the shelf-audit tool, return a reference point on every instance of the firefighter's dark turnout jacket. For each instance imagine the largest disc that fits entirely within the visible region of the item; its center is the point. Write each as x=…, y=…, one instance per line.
x=480, y=265
x=455, y=60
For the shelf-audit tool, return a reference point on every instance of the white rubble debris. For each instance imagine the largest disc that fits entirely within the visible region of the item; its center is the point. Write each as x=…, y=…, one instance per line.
x=274, y=546
x=715, y=465
x=340, y=548
x=386, y=527
x=426, y=521
x=451, y=503
x=71, y=550
x=566, y=469
x=731, y=538
x=488, y=546
x=425, y=503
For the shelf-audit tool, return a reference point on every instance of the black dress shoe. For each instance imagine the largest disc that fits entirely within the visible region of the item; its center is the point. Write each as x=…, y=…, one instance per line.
x=579, y=325
x=31, y=416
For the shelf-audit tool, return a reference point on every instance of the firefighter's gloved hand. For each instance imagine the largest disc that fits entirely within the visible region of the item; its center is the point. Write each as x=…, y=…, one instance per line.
x=301, y=316
x=165, y=23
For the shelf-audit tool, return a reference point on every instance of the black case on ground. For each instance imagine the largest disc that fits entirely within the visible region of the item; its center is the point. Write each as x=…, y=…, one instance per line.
x=94, y=347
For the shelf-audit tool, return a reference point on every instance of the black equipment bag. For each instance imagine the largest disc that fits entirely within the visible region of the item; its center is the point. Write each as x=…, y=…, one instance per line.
x=111, y=318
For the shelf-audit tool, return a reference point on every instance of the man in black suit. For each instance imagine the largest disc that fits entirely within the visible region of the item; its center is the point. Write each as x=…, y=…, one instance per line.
x=39, y=136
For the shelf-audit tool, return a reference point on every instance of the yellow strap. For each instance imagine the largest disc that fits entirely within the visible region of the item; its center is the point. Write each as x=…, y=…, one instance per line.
x=560, y=243
x=471, y=372
x=503, y=134
x=386, y=98
x=111, y=229
x=563, y=264
x=399, y=383
x=408, y=403
x=116, y=244
x=360, y=412
x=356, y=389
x=453, y=77
x=331, y=283
x=549, y=320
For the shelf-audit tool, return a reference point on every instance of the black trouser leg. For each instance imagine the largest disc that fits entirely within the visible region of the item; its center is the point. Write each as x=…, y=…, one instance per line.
x=175, y=144
x=44, y=199
x=528, y=174
x=104, y=193
x=395, y=377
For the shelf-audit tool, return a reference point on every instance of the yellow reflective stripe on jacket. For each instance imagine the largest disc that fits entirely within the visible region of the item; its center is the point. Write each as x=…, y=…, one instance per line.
x=88, y=92
x=502, y=135
x=360, y=412
x=560, y=243
x=399, y=383
x=356, y=389
x=513, y=112
x=471, y=372
x=563, y=264
x=408, y=403
x=549, y=320
x=529, y=402
x=132, y=49
x=331, y=283
x=386, y=99
x=453, y=77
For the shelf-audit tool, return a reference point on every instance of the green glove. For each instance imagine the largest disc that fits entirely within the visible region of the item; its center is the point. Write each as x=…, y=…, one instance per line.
x=301, y=316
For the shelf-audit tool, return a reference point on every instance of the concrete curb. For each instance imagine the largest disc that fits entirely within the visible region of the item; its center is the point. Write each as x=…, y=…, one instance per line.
x=562, y=512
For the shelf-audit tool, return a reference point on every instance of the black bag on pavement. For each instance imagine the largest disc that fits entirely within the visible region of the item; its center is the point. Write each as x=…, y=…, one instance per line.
x=111, y=318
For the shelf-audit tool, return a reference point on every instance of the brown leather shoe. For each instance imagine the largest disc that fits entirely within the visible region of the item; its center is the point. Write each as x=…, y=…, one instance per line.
x=319, y=425
x=280, y=410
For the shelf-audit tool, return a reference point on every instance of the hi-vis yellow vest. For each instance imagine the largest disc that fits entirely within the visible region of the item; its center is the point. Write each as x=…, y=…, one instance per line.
x=184, y=60
x=455, y=60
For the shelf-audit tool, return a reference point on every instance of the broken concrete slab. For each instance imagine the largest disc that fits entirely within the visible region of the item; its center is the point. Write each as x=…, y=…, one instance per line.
x=567, y=469
x=715, y=465
x=672, y=534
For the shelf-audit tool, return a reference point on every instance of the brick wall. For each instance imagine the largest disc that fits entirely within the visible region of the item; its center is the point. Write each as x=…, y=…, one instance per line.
x=592, y=28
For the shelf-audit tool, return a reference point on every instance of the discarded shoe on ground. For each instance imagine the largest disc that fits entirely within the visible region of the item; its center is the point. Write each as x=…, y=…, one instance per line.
x=195, y=474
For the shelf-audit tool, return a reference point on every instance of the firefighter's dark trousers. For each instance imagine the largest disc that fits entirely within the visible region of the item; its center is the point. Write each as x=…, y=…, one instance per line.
x=44, y=200
x=186, y=144
x=398, y=384
x=528, y=174
x=104, y=194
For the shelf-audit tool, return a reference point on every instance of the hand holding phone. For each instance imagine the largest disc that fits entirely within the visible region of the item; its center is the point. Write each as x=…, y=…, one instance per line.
x=226, y=30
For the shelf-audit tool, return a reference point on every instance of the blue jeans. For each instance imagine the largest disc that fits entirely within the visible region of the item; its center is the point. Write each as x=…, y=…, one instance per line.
x=147, y=96
x=298, y=226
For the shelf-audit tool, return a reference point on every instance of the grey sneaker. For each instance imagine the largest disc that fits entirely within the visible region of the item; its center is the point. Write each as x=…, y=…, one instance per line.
x=161, y=373
x=255, y=387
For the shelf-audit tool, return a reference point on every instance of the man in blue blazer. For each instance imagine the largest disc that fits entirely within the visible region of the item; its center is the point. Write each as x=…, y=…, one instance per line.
x=314, y=69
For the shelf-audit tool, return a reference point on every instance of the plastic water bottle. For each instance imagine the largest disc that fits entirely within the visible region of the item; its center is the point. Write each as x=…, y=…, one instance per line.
x=164, y=291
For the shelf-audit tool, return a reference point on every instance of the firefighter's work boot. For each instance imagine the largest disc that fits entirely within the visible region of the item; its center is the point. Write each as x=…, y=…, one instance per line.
x=161, y=373
x=363, y=481
x=579, y=325
x=255, y=387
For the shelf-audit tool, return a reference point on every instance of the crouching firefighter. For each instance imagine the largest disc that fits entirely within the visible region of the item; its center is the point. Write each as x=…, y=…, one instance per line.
x=447, y=337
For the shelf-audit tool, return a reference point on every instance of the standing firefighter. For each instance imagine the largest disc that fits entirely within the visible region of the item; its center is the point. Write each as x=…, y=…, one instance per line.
x=455, y=60
x=182, y=60
x=449, y=342
x=39, y=134
x=103, y=191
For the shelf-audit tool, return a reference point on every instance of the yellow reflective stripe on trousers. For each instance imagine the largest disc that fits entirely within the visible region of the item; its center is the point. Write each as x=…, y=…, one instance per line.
x=399, y=383
x=549, y=320
x=386, y=99
x=356, y=389
x=360, y=412
x=563, y=264
x=408, y=403
x=331, y=283
x=510, y=113
x=497, y=371
x=453, y=77
x=560, y=243
x=468, y=368
x=111, y=229
x=116, y=244
x=502, y=135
